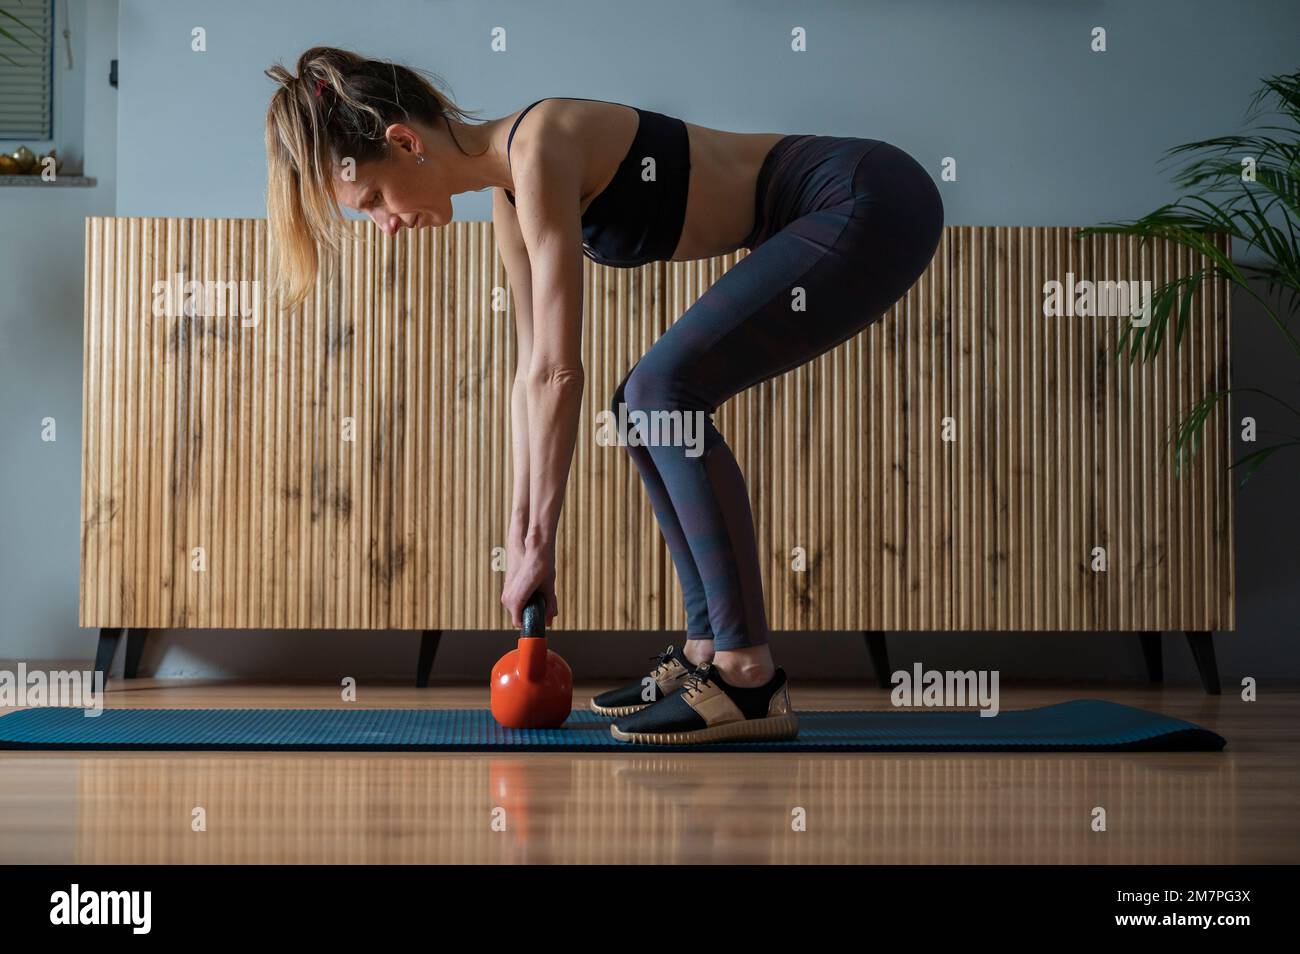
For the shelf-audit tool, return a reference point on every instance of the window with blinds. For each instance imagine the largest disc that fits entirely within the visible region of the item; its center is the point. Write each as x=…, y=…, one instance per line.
x=26, y=69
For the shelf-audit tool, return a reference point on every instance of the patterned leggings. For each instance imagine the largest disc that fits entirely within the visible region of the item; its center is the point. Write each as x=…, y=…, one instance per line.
x=843, y=228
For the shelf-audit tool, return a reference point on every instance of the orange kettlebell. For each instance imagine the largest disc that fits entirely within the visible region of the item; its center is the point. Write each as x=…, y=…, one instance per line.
x=532, y=687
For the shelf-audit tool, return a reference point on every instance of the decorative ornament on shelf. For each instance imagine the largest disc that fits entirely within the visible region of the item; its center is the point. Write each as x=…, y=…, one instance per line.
x=25, y=158
x=23, y=162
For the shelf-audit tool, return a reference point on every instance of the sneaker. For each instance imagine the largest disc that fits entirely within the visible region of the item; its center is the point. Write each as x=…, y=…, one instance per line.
x=667, y=676
x=707, y=709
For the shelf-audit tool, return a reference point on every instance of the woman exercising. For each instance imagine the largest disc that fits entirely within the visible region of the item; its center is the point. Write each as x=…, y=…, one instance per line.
x=837, y=229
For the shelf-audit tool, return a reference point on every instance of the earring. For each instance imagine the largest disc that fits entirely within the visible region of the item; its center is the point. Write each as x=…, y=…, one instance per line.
x=419, y=157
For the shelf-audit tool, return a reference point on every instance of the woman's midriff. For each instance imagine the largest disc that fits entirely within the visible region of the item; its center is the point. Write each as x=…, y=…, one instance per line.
x=720, y=198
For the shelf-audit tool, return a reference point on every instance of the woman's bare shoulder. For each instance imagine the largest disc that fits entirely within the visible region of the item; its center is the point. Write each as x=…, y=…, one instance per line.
x=591, y=120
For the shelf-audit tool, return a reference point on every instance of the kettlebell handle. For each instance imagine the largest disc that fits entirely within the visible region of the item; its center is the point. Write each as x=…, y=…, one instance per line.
x=535, y=615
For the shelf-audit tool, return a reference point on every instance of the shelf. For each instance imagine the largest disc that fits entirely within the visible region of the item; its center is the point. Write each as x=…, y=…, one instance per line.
x=60, y=182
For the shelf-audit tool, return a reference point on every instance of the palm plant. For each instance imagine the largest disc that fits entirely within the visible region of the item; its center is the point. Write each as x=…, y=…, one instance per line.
x=1248, y=187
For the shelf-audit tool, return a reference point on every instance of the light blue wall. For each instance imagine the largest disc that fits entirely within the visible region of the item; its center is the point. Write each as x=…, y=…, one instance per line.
x=42, y=263
x=1044, y=131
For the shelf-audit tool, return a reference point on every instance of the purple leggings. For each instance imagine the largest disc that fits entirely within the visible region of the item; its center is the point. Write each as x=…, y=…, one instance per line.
x=843, y=228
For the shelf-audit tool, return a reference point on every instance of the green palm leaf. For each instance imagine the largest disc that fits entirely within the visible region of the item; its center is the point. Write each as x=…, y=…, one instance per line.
x=1260, y=214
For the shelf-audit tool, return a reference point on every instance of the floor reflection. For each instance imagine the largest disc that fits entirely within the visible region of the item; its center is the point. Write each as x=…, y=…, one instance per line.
x=303, y=808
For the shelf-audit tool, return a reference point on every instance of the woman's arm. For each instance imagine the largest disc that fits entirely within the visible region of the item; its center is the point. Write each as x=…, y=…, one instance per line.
x=514, y=254
x=550, y=223
x=548, y=195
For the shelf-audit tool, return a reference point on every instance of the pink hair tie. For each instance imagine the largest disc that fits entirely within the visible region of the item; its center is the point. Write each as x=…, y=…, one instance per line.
x=320, y=85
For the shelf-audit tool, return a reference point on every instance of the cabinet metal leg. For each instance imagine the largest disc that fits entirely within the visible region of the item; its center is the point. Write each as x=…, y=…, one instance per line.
x=1202, y=645
x=1154, y=657
x=879, y=653
x=134, y=649
x=109, y=637
x=429, y=641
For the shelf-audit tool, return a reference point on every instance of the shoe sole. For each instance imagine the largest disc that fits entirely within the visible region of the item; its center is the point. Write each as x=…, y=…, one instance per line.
x=617, y=712
x=771, y=729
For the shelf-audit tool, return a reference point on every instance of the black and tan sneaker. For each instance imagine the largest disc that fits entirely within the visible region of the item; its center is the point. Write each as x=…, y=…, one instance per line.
x=667, y=676
x=707, y=709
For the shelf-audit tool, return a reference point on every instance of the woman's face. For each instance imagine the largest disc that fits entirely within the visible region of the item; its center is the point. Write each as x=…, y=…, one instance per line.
x=397, y=191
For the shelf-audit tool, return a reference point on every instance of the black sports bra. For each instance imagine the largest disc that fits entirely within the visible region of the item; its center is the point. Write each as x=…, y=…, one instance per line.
x=638, y=217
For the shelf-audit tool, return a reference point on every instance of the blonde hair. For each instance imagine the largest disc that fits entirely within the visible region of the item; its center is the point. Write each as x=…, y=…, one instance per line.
x=336, y=107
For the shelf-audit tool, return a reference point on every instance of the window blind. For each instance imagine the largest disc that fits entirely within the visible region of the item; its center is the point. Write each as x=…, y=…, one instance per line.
x=26, y=75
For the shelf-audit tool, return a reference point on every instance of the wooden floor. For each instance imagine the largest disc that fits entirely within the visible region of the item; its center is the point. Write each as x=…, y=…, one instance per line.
x=1232, y=807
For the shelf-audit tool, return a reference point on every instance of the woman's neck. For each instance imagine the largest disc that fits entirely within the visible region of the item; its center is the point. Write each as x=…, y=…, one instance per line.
x=482, y=164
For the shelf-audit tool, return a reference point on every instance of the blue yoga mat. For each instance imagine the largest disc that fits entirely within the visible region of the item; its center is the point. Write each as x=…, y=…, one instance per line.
x=1082, y=725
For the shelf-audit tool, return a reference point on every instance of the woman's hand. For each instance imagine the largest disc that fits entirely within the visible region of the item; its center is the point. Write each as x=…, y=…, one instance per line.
x=515, y=551
x=536, y=571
